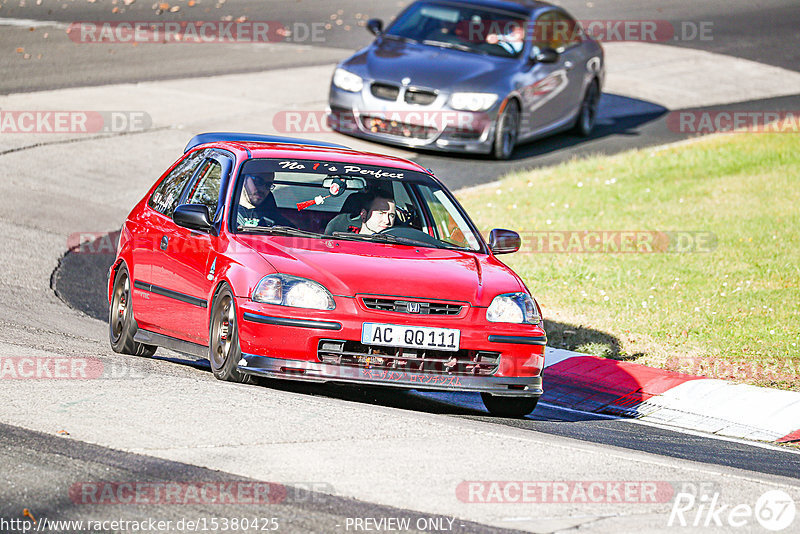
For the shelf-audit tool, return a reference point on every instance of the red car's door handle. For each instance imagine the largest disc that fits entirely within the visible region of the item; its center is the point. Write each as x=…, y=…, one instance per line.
x=164, y=242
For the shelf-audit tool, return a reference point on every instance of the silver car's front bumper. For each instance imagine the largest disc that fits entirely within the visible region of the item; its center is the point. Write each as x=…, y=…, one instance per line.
x=431, y=127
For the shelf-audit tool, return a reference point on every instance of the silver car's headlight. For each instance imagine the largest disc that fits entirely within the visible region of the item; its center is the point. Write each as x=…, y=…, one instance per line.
x=347, y=81
x=513, y=308
x=287, y=290
x=472, y=101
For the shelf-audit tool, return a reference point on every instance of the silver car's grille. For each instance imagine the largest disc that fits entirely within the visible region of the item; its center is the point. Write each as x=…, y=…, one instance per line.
x=397, y=128
x=420, y=97
x=405, y=306
x=356, y=354
x=384, y=91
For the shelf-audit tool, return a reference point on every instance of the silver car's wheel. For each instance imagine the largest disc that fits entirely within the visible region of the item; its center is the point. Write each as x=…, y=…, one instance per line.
x=588, y=113
x=507, y=131
x=224, y=352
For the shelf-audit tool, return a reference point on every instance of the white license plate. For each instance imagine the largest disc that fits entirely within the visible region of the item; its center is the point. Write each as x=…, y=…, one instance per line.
x=415, y=337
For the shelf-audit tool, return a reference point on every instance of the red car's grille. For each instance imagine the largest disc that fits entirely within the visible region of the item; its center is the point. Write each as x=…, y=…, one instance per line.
x=406, y=306
x=399, y=129
x=461, y=362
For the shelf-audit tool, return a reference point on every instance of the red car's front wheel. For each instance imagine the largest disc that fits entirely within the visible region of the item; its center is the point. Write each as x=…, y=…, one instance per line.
x=509, y=406
x=224, y=352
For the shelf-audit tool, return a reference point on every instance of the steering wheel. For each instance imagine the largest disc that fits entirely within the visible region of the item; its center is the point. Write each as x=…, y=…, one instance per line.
x=411, y=233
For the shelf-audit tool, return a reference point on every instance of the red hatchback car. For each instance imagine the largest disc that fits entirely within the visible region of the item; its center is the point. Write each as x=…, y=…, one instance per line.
x=301, y=260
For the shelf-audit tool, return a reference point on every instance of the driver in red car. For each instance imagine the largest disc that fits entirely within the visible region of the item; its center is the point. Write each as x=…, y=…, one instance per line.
x=379, y=215
x=257, y=206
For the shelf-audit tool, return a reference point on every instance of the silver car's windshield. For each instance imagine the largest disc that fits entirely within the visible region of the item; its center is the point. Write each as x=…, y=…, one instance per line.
x=467, y=28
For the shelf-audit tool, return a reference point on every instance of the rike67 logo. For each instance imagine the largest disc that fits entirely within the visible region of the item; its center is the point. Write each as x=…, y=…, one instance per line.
x=775, y=510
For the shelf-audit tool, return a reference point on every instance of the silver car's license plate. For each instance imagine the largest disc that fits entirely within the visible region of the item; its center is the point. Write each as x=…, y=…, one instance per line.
x=415, y=337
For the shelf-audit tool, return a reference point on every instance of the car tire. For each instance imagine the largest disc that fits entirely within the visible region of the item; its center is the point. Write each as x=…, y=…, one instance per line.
x=587, y=116
x=507, y=131
x=224, y=351
x=509, y=406
x=121, y=325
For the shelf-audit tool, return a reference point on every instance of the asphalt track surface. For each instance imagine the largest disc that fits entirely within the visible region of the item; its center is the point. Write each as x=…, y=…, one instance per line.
x=65, y=464
x=37, y=468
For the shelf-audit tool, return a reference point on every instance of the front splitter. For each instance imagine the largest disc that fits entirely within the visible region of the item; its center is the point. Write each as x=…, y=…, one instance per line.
x=528, y=386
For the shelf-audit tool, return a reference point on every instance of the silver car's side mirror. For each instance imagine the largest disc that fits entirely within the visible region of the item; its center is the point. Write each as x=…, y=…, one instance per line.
x=546, y=55
x=504, y=241
x=375, y=26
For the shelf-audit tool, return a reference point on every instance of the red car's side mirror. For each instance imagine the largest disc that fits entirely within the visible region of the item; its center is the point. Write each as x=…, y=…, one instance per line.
x=194, y=217
x=504, y=241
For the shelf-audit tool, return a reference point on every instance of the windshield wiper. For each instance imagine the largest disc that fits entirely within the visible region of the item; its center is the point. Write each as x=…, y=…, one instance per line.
x=384, y=238
x=443, y=44
x=278, y=230
x=380, y=238
x=449, y=246
x=400, y=38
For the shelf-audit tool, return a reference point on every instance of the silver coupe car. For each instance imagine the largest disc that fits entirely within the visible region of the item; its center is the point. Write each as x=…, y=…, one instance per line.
x=470, y=76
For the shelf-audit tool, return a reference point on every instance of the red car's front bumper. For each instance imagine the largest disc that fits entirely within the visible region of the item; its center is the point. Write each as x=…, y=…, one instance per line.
x=302, y=344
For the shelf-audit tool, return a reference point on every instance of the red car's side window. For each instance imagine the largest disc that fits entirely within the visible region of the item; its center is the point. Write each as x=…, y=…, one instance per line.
x=206, y=189
x=165, y=197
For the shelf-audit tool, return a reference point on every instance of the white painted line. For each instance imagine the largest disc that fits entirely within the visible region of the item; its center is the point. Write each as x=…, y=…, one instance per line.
x=553, y=356
x=679, y=430
x=737, y=410
x=30, y=23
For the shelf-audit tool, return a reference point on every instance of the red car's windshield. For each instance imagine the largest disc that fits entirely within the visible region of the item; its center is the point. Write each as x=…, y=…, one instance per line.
x=348, y=201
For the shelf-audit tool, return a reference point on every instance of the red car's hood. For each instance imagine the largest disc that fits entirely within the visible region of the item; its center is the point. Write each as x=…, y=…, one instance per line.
x=348, y=268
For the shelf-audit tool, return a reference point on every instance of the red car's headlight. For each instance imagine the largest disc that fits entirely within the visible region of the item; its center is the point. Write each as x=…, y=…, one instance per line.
x=288, y=290
x=513, y=308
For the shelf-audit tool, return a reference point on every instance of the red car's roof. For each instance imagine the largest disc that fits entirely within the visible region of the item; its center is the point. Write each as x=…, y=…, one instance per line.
x=306, y=152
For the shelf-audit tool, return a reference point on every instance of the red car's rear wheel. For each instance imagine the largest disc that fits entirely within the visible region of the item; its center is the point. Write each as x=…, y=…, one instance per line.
x=121, y=326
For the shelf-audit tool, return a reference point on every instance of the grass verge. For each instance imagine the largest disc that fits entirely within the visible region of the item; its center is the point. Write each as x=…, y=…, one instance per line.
x=718, y=291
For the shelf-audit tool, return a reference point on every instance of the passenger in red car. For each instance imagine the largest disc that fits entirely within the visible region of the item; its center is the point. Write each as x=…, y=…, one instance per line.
x=379, y=215
x=257, y=206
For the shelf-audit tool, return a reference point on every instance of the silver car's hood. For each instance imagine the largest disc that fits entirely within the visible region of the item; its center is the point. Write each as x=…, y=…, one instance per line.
x=429, y=66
